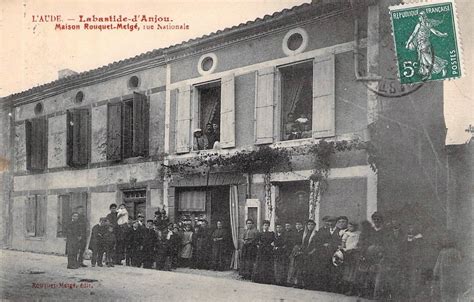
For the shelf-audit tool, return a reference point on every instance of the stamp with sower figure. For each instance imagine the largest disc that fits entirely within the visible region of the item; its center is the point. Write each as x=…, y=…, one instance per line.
x=426, y=41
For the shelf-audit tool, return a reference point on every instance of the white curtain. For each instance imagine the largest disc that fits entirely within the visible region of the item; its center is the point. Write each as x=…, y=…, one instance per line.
x=192, y=201
x=234, y=225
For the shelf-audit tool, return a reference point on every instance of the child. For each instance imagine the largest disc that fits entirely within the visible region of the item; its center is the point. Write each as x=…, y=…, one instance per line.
x=350, y=239
x=96, y=240
x=109, y=245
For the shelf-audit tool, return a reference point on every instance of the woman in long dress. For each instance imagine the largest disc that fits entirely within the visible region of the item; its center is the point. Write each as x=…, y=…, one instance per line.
x=420, y=40
x=219, y=237
x=263, y=272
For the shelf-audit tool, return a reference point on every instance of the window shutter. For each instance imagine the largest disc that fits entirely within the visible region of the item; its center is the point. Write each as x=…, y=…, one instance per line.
x=183, y=120
x=127, y=129
x=140, y=124
x=28, y=144
x=114, y=131
x=324, y=119
x=264, y=106
x=41, y=208
x=227, y=133
x=37, y=132
x=84, y=138
x=30, y=209
x=78, y=121
x=64, y=214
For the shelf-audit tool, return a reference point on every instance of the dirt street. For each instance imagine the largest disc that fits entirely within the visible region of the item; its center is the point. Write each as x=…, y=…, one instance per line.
x=28, y=276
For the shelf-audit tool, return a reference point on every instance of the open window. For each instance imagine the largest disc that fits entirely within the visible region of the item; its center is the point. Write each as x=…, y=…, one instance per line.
x=296, y=101
x=208, y=116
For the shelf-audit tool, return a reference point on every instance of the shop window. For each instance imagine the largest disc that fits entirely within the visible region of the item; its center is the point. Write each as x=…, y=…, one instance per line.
x=135, y=201
x=296, y=101
x=36, y=144
x=128, y=128
x=209, y=117
x=78, y=137
x=293, y=202
x=67, y=204
x=35, y=209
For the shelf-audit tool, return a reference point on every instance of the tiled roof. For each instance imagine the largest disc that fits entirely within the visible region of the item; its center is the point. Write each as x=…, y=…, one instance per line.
x=322, y=7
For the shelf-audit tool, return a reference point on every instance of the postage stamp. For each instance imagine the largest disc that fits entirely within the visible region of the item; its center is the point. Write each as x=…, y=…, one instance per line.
x=427, y=41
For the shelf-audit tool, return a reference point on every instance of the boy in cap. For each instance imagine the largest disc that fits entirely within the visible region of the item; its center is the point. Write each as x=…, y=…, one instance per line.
x=96, y=241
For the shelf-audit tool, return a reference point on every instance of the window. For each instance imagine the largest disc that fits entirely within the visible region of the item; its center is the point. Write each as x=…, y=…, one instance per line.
x=128, y=128
x=207, y=64
x=38, y=108
x=135, y=201
x=79, y=97
x=295, y=41
x=133, y=82
x=67, y=204
x=78, y=137
x=296, y=101
x=209, y=107
x=36, y=144
x=192, y=201
x=209, y=117
x=36, y=216
x=292, y=203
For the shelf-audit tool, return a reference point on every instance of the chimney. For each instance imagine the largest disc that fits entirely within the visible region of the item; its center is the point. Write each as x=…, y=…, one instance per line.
x=65, y=73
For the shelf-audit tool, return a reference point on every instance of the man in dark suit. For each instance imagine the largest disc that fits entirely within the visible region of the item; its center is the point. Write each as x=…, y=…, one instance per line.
x=83, y=227
x=75, y=234
x=325, y=247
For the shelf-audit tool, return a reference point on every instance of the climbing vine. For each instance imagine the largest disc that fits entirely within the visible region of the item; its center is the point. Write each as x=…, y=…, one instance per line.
x=267, y=160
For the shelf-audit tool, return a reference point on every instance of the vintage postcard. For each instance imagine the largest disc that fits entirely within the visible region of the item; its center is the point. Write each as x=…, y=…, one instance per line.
x=236, y=150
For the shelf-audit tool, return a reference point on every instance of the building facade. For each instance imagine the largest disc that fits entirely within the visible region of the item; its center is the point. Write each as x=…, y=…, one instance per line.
x=290, y=80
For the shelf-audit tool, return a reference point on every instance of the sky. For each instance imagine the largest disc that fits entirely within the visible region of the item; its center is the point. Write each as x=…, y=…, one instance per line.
x=33, y=52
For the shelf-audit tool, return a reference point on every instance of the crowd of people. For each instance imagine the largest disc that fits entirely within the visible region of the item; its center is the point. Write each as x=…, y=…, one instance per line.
x=376, y=260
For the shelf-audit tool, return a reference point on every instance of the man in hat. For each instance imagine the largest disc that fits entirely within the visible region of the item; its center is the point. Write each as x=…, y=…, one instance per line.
x=200, y=140
x=83, y=227
x=325, y=249
x=149, y=242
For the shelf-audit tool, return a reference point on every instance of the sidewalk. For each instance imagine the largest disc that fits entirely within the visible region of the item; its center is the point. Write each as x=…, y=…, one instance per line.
x=27, y=276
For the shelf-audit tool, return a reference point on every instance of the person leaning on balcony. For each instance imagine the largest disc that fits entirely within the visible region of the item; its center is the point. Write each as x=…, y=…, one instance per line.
x=200, y=140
